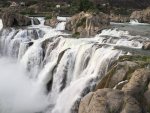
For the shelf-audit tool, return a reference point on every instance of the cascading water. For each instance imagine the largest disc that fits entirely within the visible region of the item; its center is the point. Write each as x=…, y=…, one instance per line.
x=53, y=73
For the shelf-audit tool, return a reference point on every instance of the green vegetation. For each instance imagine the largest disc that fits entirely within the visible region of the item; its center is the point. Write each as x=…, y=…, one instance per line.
x=27, y=12
x=122, y=11
x=76, y=35
x=32, y=2
x=135, y=58
x=85, y=5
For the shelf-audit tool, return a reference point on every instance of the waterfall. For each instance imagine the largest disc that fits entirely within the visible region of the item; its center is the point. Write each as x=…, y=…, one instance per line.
x=136, y=22
x=63, y=70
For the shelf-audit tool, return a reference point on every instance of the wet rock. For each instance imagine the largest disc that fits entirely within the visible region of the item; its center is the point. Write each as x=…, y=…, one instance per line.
x=13, y=19
x=51, y=22
x=87, y=24
x=36, y=21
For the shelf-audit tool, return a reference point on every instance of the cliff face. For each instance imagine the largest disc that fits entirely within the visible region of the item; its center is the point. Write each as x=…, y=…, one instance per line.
x=125, y=89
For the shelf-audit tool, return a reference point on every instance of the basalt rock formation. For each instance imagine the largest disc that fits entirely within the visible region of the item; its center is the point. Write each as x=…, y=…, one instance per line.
x=51, y=22
x=13, y=19
x=36, y=21
x=142, y=16
x=87, y=24
x=124, y=89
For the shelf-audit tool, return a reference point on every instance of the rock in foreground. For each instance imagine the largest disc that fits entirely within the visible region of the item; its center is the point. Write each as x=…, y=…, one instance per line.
x=125, y=89
x=87, y=24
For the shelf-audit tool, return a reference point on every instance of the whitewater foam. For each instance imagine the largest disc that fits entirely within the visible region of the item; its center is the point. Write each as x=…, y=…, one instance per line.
x=56, y=68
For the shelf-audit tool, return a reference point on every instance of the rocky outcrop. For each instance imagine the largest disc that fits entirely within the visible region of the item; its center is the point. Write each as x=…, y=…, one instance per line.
x=36, y=21
x=128, y=100
x=119, y=18
x=125, y=88
x=122, y=70
x=142, y=16
x=146, y=46
x=87, y=24
x=13, y=19
x=51, y=22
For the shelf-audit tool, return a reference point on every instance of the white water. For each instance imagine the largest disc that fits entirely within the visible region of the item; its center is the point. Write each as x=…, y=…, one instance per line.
x=132, y=23
x=18, y=93
x=135, y=22
x=1, y=24
x=54, y=69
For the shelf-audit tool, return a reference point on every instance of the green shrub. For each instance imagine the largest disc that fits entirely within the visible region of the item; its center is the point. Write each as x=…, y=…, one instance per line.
x=76, y=35
x=48, y=17
x=85, y=5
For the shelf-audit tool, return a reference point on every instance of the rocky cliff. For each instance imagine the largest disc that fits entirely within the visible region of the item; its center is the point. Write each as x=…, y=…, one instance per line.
x=87, y=24
x=124, y=89
x=11, y=18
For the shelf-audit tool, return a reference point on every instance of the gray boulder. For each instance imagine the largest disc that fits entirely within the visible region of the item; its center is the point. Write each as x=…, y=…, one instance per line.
x=36, y=21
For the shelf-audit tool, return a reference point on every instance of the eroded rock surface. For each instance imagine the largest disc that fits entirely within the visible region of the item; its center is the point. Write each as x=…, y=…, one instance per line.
x=142, y=16
x=132, y=73
x=13, y=19
x=51, y=22
x=87, y=24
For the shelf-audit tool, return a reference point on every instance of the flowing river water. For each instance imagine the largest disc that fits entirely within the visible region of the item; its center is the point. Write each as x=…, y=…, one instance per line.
x=44, y=71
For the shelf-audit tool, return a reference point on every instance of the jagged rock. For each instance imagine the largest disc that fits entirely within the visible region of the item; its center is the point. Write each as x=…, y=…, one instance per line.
x=36, y=21
x=147, y=97
x=117, y=74
x=87, y=24
x=13, y=19
x=146, y=46
x=142, y=16
x=139, y=80
x=119, y=18
x=121, y=71
x=130, y=99
x=51, y=22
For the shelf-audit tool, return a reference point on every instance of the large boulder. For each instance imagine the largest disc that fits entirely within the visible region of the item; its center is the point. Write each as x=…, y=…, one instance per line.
x=142, y=16
x=121, y=71
x=14, y=19
x=36, y=21
x=124, y=89
x=51, y=22
x=87, y=24
x=131, y=99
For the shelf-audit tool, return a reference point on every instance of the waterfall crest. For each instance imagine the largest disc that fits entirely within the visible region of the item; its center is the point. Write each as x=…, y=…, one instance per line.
x=65, y=69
